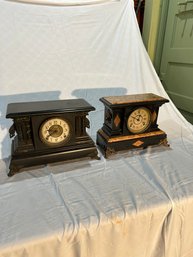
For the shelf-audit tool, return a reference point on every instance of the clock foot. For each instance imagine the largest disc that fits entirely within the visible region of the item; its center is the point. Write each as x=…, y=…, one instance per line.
x=164, y=142
x=94, y=155
x=109, y=151
x=13, y=171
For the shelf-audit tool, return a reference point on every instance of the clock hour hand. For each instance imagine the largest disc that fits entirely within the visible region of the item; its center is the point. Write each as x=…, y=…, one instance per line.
x=51, y=132
x=137, y=117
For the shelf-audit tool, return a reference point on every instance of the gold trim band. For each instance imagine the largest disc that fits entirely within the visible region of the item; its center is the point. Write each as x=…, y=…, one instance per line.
x=124, y=138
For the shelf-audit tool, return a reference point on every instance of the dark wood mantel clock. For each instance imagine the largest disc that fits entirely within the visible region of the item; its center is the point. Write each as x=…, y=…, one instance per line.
x=130, y=121
x=49, y=131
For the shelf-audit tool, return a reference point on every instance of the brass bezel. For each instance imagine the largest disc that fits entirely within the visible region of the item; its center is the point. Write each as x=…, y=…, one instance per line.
x=139, y=131
x=54, y=144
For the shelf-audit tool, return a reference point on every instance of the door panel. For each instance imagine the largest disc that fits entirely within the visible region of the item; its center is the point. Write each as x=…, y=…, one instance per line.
x=176, y=70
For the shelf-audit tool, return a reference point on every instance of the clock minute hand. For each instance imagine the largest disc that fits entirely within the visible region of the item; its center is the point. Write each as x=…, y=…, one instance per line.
x=136, y=118
x=51, y=132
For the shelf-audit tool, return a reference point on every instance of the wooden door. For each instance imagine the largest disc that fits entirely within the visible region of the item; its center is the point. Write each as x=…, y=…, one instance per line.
x=176, y=71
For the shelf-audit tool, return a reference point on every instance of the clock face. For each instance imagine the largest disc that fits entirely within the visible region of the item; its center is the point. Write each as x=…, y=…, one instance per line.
x=54, y=131
x=139, y=120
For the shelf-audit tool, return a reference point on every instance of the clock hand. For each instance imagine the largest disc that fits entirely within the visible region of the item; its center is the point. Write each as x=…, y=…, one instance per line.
x=51, y=132
x=138, y=117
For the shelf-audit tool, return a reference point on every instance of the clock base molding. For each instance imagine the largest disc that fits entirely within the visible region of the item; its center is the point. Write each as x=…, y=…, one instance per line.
x=110, y=144
x=19, y=162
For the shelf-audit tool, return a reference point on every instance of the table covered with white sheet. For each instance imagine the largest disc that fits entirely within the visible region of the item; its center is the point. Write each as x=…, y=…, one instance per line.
x=135, y=204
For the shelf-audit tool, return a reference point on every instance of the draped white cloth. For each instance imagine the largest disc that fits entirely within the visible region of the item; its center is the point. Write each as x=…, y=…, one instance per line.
x=63, y=2
x=137, y=203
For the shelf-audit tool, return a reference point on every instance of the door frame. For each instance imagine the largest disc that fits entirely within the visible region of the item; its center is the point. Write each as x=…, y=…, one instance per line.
x=155, y=19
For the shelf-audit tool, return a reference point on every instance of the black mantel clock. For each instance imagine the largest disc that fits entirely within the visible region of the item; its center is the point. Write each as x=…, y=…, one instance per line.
x=49, y=131
x=130, y=121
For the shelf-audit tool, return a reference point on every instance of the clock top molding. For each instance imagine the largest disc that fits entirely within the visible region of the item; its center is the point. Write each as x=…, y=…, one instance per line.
x=129, y=100
x=45, y=107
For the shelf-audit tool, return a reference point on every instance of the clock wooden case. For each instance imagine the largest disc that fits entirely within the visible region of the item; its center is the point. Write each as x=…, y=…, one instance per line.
x=130, y=121
x=49, y=131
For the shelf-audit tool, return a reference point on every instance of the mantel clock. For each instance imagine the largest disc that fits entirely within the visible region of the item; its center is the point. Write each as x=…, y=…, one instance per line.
x=130, y=121
x=49, y=131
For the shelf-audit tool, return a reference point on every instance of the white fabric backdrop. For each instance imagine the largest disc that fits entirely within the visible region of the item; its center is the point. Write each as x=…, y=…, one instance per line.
x=73, y=52
x=137, y=204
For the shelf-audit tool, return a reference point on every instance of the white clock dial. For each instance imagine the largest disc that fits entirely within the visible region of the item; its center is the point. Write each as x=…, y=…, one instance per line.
x=139, y=120
x=54, y=131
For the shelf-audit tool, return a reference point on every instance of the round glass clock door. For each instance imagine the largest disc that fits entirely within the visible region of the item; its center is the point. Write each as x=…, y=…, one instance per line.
x=54, y=131
x=139, y=120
